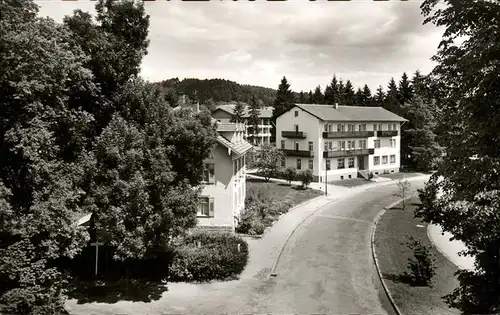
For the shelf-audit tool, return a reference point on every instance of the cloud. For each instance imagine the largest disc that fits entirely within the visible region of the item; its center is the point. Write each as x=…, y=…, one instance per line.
x=260, y=42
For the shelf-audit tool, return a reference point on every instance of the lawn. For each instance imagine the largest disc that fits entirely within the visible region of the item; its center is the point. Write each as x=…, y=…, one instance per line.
x=353, y=182
x=282, y=191
x=391, y=231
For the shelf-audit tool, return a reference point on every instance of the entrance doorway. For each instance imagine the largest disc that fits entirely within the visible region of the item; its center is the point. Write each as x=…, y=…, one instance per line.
x=361, y=162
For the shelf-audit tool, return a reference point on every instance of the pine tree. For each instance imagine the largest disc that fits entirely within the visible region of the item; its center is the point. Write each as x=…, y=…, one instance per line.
x=379, y=97
x=349, y=94
x=405, y=91
x=418, y=82
x=391, y=101
x=341, y=98
x=238, y=112
x=283, y=102
x=253, y=119
x=310, y=97
x=367, y=96
x=358, y=97
x=302, y=97
x=332, y=92
x=318, y=97
x=425, y=153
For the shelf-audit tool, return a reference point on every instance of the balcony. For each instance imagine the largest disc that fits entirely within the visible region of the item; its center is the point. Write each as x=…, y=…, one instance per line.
x=293, y=134
x=298, y=153
x=387, y=133
x=348, y=134
x=345, y=153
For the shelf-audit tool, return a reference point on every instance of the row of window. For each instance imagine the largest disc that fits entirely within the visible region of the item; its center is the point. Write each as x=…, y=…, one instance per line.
x=340, y=163
x=341, y=145
x=310, y=164
x=376, y=159
x=361, y=127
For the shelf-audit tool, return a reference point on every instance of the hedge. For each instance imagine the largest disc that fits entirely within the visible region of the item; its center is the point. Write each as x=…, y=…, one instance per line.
x=206, y=256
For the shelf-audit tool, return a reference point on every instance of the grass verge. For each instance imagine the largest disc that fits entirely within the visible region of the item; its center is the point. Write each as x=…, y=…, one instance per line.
x=401, y=175
x=392, y=229
x=282, y=191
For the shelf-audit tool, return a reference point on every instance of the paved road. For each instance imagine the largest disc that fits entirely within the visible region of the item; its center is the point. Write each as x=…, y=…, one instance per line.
x=326, y=267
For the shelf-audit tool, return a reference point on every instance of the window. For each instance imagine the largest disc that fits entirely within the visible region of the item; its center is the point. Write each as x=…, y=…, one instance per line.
x=328, y=165
x=353, y=144
x=390, y=127
x=311, y=146
x=282, y=144
x=296, y=128
x=340, y=163
x=340, y=127
x=362, y=144
x=283, y=162
x=374, y=127
x=341, y=177
x=329, y=127
x=392, y=142
x=296, y=113
x=206, y=207
x=325, y=146
x=348, y=145
x=393, y=159
x=326, y=128
x=296, y=146
x=330, y=145
x=351, y=162
x=384, y=159
x=380, y=127
x=376, y=160
x=209, y=173
x=350, y=127
x=299, y=164
x=342, y=145
x=362, y=127
x=377, y=144
x=394, y=127
x=310, y=164
x=211, y=155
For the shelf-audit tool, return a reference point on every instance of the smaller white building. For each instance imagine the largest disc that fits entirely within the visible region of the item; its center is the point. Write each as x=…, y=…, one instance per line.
x=224, y=185
x=340, y=142
x=223, y=114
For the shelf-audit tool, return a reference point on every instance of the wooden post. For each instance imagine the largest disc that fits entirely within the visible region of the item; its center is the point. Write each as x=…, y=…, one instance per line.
x=239, y=249
x=96, y=244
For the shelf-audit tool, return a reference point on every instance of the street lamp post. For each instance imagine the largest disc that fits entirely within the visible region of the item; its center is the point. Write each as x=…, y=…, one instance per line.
x=326, y=180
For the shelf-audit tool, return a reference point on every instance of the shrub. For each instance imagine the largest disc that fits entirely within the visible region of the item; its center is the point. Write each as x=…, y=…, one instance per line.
x=306, y=177
x=290, y=174
x=206, y=256
x=258, y=215
x=422, y=265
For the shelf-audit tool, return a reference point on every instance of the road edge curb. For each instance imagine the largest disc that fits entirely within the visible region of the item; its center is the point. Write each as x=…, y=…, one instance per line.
x=374, y=255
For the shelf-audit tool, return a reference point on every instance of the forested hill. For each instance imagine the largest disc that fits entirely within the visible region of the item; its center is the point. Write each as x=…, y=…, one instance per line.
x=218, y=90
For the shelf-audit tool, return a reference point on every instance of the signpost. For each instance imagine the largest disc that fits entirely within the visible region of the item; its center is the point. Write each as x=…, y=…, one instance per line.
x=96, y=244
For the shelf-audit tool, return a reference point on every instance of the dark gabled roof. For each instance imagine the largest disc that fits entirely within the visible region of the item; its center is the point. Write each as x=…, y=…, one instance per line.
x=350, y=113
x=265, y=112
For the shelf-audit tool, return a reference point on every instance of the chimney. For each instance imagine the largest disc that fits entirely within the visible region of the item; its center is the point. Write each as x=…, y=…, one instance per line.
x=336, y=105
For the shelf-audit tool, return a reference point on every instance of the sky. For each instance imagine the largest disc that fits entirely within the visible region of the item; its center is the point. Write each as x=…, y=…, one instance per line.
x=259, y=42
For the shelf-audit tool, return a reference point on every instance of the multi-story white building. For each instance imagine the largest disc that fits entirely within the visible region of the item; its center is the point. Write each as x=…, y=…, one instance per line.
x=224, y=186
x=336, y=142
x=223, y=114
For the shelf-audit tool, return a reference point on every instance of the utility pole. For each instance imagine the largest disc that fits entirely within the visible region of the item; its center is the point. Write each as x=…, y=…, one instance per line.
x=326, y=180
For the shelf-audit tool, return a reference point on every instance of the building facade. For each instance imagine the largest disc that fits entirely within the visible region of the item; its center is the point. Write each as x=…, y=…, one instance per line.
x=340, y=142
x=224, y=185
x=223, y=114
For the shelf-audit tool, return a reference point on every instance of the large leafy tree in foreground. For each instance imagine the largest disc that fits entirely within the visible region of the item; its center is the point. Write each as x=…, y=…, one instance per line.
x=81, y=134
x=464, y=195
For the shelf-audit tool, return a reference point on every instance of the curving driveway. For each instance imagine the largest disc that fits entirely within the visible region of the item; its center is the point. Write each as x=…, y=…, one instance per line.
x=326, y=267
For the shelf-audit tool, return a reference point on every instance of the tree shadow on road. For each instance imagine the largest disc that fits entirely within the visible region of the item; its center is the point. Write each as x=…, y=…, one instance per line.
x=405, y=278
x=114, y=291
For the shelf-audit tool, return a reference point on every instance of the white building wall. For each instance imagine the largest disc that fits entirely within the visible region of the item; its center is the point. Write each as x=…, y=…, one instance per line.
x=311, y=126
